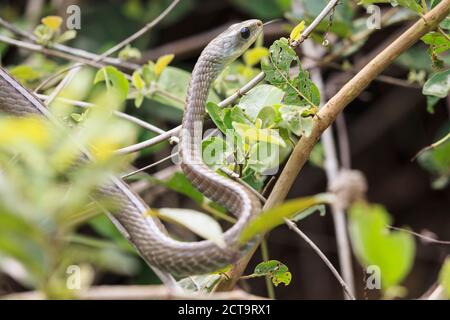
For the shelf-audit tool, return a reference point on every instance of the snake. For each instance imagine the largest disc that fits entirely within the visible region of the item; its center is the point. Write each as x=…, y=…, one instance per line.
x=146, y=233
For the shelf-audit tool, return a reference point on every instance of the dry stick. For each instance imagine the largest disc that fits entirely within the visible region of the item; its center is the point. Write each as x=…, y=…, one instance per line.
x=332, y=170
x=330, y=111
x=48, y=51
x=294, y=227
x=175, y=131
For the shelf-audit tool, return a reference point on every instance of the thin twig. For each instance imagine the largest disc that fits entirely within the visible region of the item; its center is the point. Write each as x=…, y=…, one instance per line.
x=148, y=166
x=74, y=52
x=294, y=228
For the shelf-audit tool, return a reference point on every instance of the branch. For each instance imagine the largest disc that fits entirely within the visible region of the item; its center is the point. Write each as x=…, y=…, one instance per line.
x=125, y=116
x=73, y=53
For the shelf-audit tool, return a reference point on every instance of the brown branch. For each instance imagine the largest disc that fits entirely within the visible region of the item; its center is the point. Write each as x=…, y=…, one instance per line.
x=334, y=107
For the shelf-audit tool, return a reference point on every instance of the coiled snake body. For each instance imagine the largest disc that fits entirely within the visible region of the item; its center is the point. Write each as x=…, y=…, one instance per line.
x=147, y=234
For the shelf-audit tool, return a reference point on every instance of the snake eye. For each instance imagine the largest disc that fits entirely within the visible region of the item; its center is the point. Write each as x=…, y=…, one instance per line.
x=245, y=32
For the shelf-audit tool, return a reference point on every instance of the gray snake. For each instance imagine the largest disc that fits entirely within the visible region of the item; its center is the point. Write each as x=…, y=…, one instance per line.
x=147, y=234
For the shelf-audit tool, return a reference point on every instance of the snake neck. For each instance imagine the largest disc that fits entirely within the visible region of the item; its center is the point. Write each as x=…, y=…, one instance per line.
x=204, y=73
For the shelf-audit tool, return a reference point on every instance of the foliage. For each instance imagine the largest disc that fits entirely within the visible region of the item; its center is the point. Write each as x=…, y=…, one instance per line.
x=50, y=32
x=45, y=193
x=274, y=217
x=275, y=270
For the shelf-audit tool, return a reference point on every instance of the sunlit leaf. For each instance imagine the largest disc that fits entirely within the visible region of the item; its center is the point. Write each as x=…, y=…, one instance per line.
x=259, y=97
x=137, y=80
x=274, y=217
x=277, y=271
x=252, y=134
x=114, y=80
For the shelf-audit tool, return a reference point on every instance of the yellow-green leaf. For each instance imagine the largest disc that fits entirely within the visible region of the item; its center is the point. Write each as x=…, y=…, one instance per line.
x=444, y=277
x=297, y=31
x=53, y=22
x=274, y=217
x=163, y=62
x=252, y=134
x=137, y=80
x=253, y=56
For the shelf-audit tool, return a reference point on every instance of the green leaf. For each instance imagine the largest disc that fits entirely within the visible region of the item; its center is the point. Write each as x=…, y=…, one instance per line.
x=269, y=117
x=444, y=277
x=24, y=73
x=436, y=39
x=272, y=218
x=216, y=114
x=259, y=97
x=138, y=100
x=277, y=271
x=66, y=36
x=374, y=244
x=198, y=222
x=300, y=90
x=115, y=81
x=137, y=80
x=282, y=57
x=215, y=152
x=437, y=85
x=307, y=212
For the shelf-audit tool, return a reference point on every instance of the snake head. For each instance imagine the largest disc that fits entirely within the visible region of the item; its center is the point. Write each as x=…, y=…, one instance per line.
x=233, y=42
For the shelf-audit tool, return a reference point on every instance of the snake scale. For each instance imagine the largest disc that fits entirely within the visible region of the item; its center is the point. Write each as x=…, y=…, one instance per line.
x=147, y=234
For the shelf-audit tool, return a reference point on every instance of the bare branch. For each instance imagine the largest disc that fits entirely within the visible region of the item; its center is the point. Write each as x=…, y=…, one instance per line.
x=294, y=228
